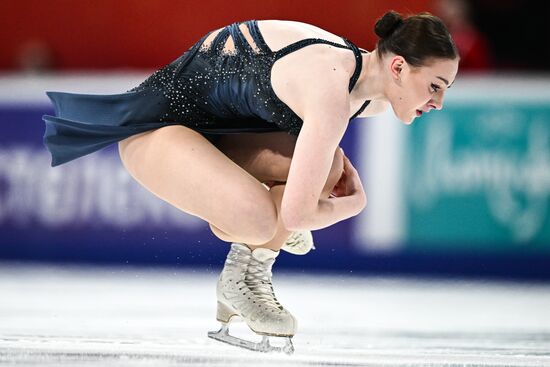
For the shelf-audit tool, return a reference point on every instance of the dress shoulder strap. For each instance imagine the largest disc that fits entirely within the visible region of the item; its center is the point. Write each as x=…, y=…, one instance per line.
x=358, y=63
x=361, y=109
x=257, y=36
x=358, y=67
x=262, y=45
x=310, y=41
x=303, y=43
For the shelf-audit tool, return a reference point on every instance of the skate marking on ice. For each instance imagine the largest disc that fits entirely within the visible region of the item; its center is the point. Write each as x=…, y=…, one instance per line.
x=117, y=317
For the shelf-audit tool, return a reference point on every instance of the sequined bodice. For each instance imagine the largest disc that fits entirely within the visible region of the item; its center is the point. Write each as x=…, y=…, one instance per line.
x=210, y=88
x=207, y=89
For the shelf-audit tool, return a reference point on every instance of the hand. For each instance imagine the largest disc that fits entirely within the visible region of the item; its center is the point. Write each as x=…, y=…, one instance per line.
x=350, y=183
x=339, y=189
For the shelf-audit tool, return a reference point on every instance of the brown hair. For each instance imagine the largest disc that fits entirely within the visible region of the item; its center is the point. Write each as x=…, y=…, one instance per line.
x=417, y=37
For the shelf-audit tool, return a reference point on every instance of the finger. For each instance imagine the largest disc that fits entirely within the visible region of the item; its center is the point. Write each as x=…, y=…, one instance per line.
x=347, y=162
x=348, y=167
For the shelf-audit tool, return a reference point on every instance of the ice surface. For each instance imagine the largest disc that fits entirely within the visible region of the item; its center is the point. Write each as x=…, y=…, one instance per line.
x=74, y=316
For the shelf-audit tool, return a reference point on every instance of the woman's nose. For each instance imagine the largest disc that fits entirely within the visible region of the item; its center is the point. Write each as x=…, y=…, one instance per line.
x=436, y=102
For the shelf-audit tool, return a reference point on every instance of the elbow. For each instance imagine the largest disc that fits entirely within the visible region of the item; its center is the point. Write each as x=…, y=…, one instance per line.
x=361, y=205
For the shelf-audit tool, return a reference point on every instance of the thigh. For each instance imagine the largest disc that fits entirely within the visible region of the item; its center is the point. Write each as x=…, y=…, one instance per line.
x=266, y=156
x=183, y=168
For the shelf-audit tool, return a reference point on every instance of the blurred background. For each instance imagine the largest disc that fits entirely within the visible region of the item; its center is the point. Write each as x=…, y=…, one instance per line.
x=464, y=192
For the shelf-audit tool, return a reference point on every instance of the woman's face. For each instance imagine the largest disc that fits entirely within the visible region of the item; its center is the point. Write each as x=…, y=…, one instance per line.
x=417, y=90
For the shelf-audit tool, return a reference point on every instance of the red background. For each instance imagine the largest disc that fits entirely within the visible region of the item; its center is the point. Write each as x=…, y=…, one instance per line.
x=102, y=34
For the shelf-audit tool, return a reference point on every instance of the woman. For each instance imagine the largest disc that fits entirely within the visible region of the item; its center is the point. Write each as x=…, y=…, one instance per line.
x=297, y=85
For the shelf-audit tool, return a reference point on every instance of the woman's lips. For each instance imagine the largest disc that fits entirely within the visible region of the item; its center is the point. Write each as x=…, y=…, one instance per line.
x=418, y=113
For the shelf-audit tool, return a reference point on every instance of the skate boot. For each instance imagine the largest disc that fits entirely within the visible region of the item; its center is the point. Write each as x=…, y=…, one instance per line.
x=299, y=243
x=244, y=289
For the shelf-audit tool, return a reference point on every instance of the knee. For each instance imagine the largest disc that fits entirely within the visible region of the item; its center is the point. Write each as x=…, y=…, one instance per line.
x=261, y=223
x=254, y=222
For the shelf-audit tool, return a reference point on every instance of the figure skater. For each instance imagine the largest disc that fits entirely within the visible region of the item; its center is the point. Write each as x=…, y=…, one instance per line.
x=243, y=131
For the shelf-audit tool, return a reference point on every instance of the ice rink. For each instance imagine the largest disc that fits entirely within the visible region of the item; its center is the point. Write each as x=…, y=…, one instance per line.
x=74, y=316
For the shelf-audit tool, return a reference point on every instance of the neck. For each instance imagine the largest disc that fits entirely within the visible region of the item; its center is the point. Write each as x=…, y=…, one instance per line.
x=370, y=85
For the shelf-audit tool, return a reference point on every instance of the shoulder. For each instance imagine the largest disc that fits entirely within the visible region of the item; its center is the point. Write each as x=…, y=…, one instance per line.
x=324, y=64
x=279, y=33
x=316, y=74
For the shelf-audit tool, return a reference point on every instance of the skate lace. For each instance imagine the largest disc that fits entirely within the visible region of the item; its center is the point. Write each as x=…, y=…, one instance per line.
x=238, y=258
x=258, y=280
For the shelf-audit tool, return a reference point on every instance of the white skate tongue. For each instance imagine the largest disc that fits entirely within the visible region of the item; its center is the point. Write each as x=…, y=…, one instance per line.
x=240, y=247
x=263, y=254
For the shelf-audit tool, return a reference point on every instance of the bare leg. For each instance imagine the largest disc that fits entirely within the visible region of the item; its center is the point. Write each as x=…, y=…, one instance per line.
x=277, y=191
x=181, y=167
x=220, y=185
x=268, y=157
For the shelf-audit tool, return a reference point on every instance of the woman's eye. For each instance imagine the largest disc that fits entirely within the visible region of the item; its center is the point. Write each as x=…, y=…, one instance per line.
x=435, y=88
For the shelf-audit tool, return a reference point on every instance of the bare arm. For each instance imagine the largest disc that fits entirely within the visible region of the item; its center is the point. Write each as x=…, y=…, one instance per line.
x=326, y=114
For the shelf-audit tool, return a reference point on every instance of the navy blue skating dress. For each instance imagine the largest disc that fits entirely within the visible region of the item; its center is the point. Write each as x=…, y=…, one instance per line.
x=207, y=89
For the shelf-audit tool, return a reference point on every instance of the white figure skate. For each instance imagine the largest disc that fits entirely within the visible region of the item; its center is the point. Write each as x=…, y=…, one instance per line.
x=244, y=289
x=299, y=243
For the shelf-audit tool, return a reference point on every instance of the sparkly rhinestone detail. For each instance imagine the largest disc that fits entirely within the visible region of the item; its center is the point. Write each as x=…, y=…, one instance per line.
x=212, y=89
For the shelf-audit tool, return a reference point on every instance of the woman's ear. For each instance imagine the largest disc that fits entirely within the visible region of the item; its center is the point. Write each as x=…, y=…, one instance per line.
x=397, y=63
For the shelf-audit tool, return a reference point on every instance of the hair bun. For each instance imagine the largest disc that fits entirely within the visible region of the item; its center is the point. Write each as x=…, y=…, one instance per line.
x=386, y=25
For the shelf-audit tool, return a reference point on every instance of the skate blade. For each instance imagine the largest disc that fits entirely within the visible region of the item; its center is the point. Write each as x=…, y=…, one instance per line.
x=264, y=346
